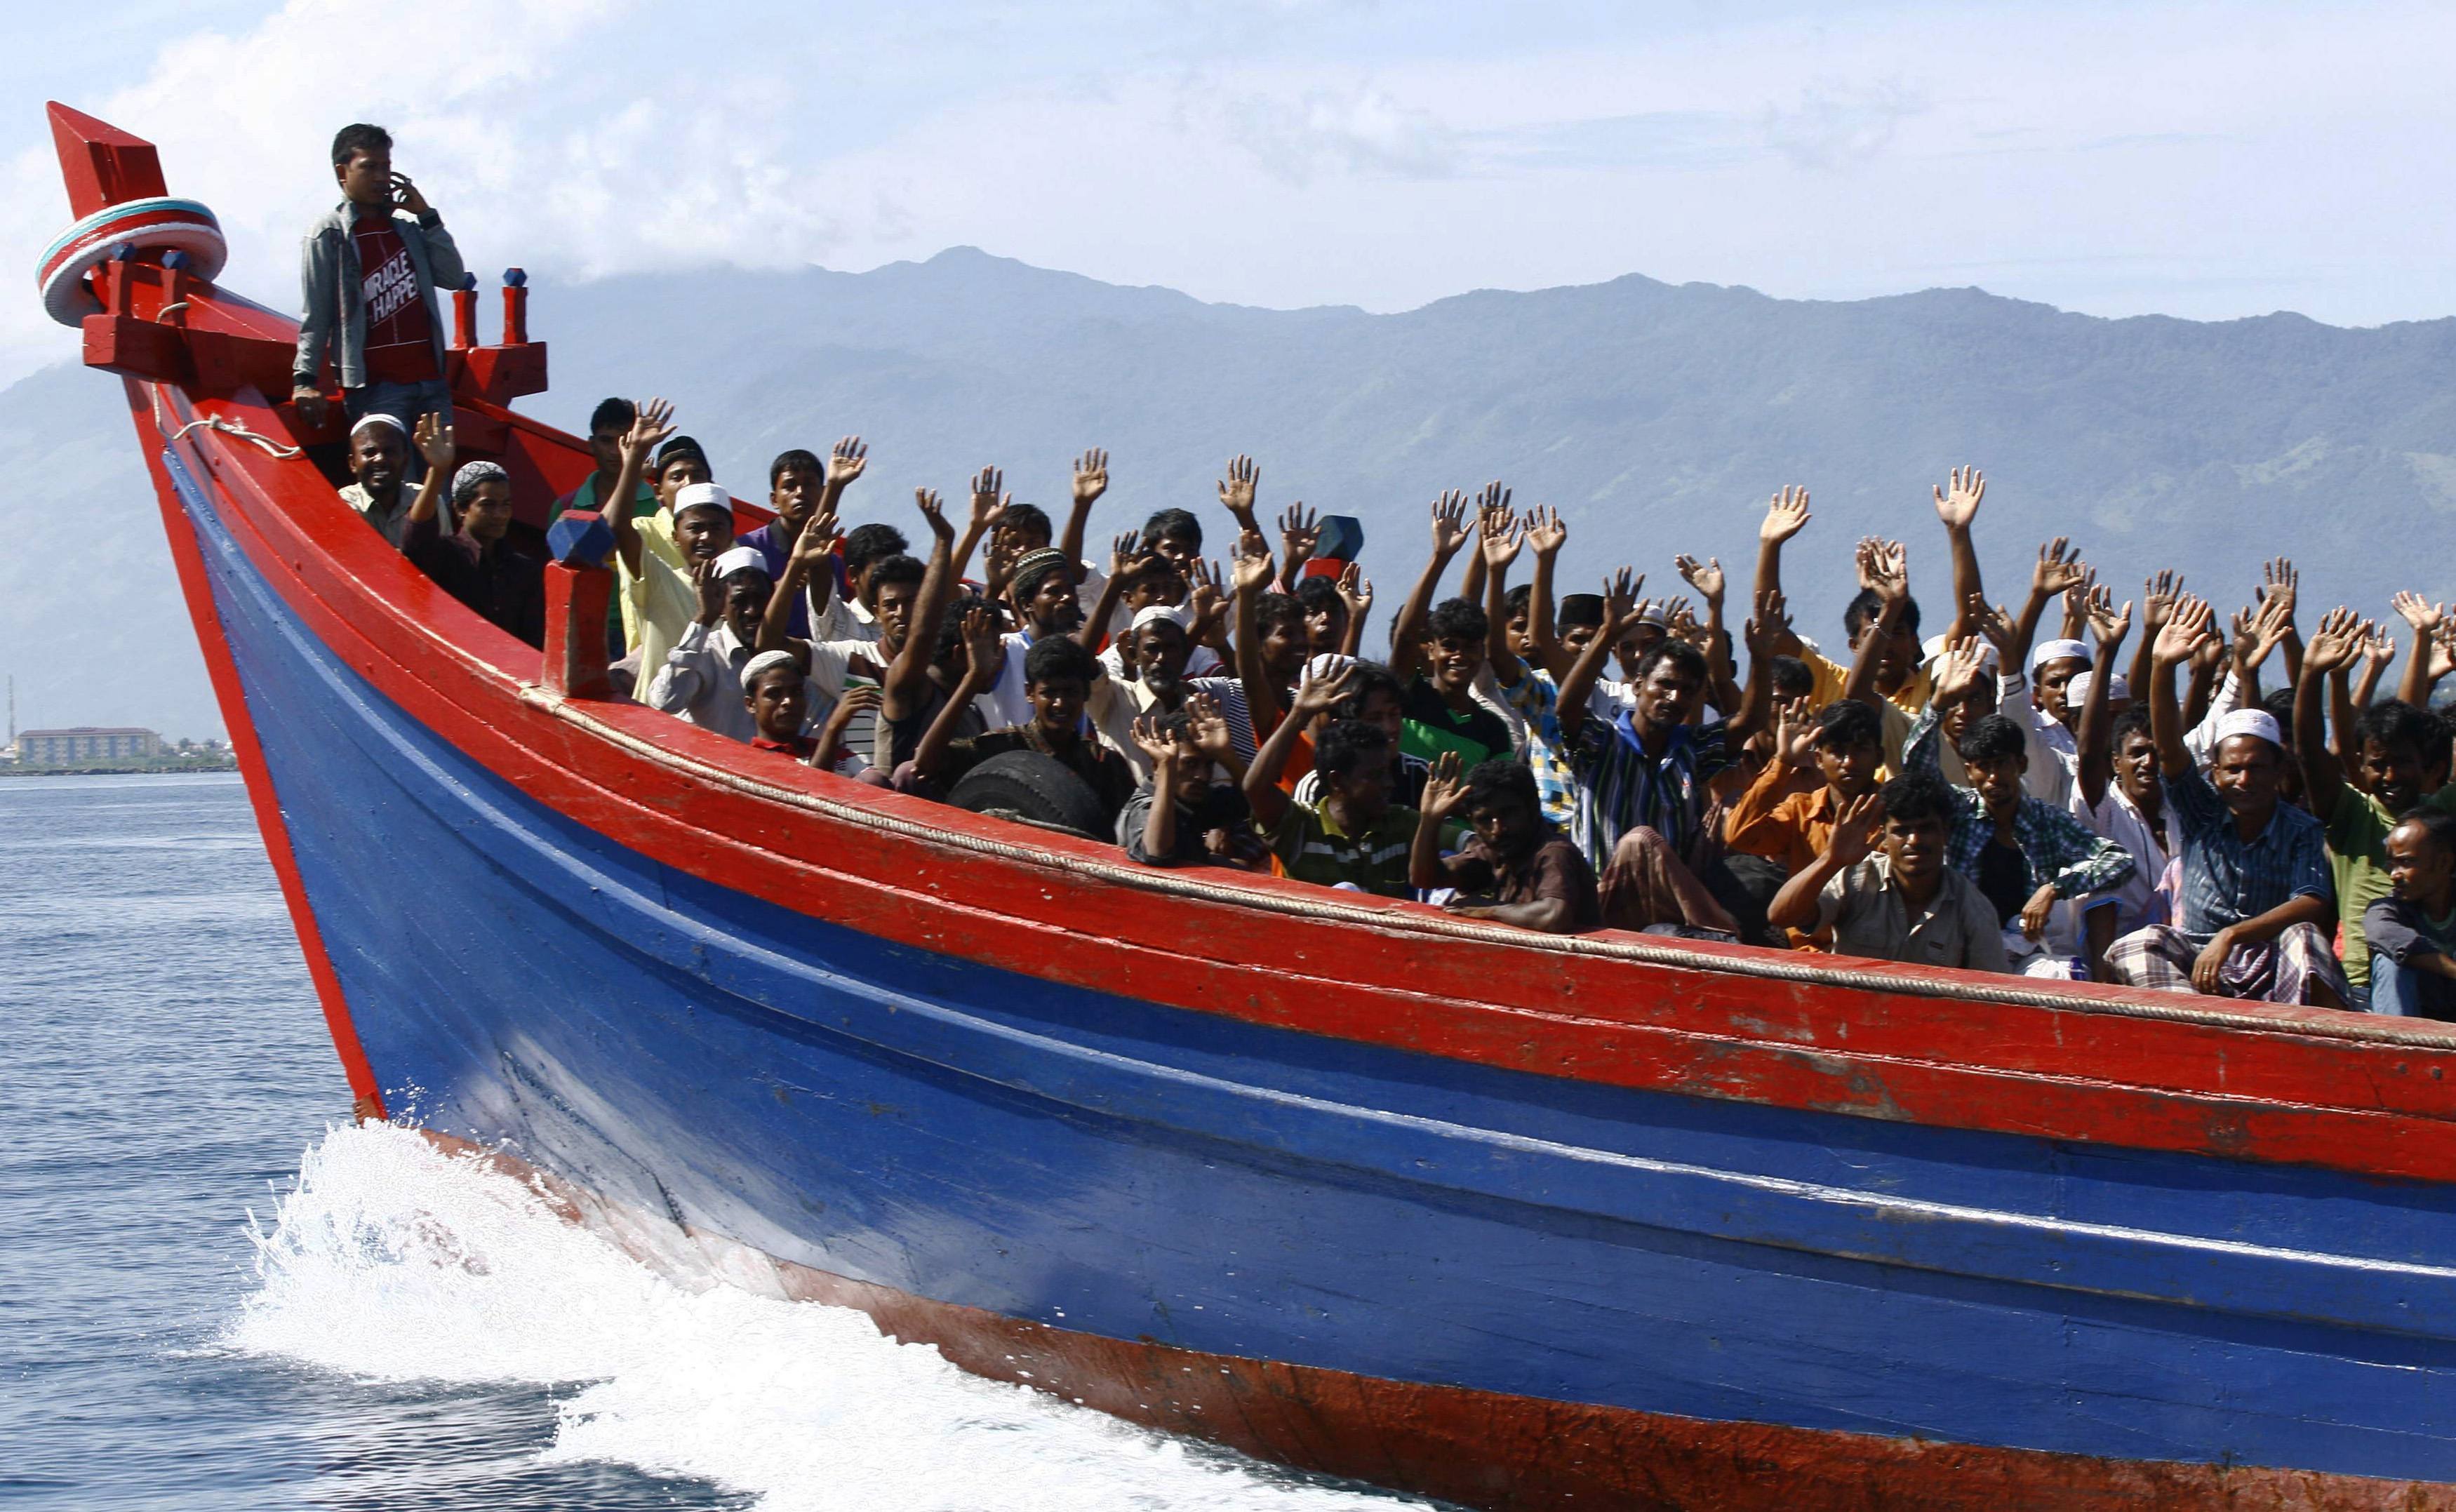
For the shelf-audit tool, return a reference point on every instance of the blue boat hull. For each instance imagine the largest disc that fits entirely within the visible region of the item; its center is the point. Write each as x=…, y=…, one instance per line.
x=984, y=1139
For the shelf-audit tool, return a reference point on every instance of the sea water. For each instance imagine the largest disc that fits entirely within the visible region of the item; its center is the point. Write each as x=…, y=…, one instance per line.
x=216, y=1293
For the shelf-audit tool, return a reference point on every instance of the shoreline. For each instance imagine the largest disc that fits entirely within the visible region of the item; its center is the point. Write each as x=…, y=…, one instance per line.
x=119, y=771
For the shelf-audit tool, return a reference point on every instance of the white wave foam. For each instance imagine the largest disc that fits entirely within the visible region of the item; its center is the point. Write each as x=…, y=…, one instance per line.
x=392, y=1261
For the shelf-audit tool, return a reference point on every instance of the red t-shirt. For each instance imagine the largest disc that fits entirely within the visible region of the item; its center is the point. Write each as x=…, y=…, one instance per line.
x=401, y=340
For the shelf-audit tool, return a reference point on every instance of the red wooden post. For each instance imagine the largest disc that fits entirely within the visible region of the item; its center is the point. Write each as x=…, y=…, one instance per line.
x=575, y=630
x=516, y=307
x=464, y=314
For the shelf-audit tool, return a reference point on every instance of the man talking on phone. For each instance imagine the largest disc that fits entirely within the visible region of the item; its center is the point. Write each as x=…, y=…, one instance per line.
x=369, y=270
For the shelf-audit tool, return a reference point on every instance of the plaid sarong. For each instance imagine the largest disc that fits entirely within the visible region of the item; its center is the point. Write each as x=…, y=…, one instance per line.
x=2280, y=971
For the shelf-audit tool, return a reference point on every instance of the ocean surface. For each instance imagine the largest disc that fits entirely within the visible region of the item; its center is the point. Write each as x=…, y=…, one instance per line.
x=216, y=1293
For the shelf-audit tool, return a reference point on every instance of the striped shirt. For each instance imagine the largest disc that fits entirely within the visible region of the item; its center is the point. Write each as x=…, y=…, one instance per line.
x=1312, y=848
x=1619, y=787
x=2228, y=879
x=1536, y=699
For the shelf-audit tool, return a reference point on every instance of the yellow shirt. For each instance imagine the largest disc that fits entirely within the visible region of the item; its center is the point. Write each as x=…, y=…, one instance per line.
x=658, y=601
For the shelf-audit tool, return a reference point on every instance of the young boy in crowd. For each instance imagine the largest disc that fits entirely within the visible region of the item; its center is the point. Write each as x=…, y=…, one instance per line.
x=701, y=680
x=1436, y=650
x=1375, y=697
x=1516, y=867
x=606, y=425
x=475, y=563
x=2116, y=791
x=801, y=488
x=1058, y=673
x=1903, y=903
x=368, y=274
x=2256, y=891
x=2401, y=755
x=1355, y=837
x=847, y=608
x=1820, y=766
x=1183, y=816
x=776, y=695
x=2412, y=931
x=658, y=555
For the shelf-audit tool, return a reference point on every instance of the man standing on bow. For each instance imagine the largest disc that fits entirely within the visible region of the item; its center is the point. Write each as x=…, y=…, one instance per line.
x=369, y=270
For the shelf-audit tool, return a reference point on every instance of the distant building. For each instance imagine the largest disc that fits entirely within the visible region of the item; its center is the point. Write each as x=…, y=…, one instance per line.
x=84, y=745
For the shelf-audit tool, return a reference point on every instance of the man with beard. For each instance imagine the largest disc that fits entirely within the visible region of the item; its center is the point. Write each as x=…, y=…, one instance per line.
x=379, y=462
x=2254, y=869
x=1156, y=649
x=2401, y=755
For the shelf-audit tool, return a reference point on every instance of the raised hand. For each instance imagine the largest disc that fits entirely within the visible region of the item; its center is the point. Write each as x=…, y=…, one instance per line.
x=1236, y=489
x=1786, y=517
x=852, y=454
x=1545, y=535
x=1449, y=522
x=2340, y=637
x=1491, y=500
x=1091, y=477
x=2418, y=611
x=1957, y=673
x=1957, y=504
x=1993, y=622
x=2186, y=631
x=933, y=513
x=709, y=590
x=1205, y=598
x=2278, y=584
x=2380, y=647
x=2443, y=653
x=2267, y=630
x=1768, y=627
x=434, y=440
x=1316, y=694
x=1504, y=533
x=2059, y=569
x=1887, y=569
x=1251, y=562
x=1444, y=786
x=2106, y=621
x=2158, y=599
x=1152, y=741
x=1621, y=601
x=1207, y=726
x=1679, y=620
x=1794, y=734
x=1353, y=590
x=1706, y=577
x=1300, y=533
x=1854, y=831
x=650, y=425
x=990, y=497
x=984, y=632
x=818, y=539
x=1127, y=558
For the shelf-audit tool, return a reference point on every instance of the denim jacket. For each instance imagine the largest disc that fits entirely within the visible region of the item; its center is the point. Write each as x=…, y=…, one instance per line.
x=329, y=279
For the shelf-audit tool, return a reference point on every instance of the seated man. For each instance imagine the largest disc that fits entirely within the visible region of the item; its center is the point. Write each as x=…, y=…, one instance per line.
x=474, y=563
x=1354, y=838
x=700, y=682
x=1058, y=674
x=1147, y=678
x=2023, y=853
x=2255, y=870
x=1820, y=767
x=776, y=694
x=1374, y=697
x=380, y=463
x=1903, y=903
x=2412, y=931
x=1517, y=868
x=1181, y=817
x=848, y=610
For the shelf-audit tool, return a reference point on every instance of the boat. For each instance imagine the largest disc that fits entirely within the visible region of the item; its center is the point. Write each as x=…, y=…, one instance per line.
x=1504, y=1219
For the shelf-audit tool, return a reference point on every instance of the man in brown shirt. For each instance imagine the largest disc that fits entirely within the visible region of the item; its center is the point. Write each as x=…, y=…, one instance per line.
x=1517, y=868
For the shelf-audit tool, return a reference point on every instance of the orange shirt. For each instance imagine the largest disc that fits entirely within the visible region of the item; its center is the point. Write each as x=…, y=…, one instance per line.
x=1786, y=827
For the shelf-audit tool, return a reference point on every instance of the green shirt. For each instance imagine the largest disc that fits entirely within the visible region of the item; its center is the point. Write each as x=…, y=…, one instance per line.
x=1312, y=848
x=2358, y=857
x=644, y=503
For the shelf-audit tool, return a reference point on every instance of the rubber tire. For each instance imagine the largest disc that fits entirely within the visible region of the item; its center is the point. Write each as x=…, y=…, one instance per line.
x=1036, y=789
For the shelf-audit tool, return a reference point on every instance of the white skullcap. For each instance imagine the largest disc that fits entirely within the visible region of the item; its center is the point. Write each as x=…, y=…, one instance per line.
x=701, y=496
x=1182, y=619
x=2251, y=721
x=378, y=417
x=2078, y=689
x=1328, y=664
x=761, y=663
x=1936, y=645
x=733, y=561
x=2058, y=651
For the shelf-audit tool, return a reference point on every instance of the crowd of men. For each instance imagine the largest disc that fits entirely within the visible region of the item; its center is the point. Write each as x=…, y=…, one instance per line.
x=1979, y=798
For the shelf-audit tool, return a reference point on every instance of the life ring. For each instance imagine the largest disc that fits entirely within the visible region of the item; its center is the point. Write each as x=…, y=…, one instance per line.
x=152, y=225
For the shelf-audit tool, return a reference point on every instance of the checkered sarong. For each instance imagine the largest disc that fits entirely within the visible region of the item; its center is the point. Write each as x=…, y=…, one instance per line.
x=2280, y=971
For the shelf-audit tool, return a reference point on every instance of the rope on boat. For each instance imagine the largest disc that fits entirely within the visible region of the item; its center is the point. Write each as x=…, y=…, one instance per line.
x=157, y=224
x=272, y=448
x=2416, y=1033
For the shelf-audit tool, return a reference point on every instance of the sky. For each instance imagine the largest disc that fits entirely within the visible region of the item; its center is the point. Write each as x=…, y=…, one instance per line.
x=2207, y=161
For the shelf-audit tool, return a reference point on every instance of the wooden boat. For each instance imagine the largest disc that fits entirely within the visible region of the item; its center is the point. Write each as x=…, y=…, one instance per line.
x=1515, y=1221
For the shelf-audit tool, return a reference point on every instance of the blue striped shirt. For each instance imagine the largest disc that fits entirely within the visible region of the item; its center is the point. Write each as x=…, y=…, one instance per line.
x=2057, y=848
x=1621, y=787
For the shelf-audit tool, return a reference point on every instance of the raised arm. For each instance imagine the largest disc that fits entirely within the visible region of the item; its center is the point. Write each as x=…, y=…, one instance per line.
x=1091, y=482
x=2379, y=649
x=1407, y=632
x=650, y=425
x=1300, y=537
x=1956, y=505
x=2059, y=569
x=2185, y=629
x=902, y=685
x=984, y=651
x=2424, y=617
x=2157, y=605
x=1706, y=579
x=1795, y=905
x=1444, y=789
x=1620, y=612
x=435, y=446
x=1500, y=541
x=848, y=462
x=2095, y=737
x=1885, y=569
x=1490, y=500
x=2336, y=643
x=1263, y=792
x=1545, y=535
x=1358, y=595
x=1766, y=630
x=808, y=563
x=1236, y=493
x=1159, y=820
x=1252, y=569
x=2281, y=586
x=1786, y=517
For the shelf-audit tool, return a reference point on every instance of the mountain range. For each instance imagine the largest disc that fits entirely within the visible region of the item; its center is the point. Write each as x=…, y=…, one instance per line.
x=1656, y=418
